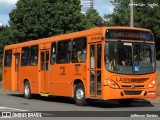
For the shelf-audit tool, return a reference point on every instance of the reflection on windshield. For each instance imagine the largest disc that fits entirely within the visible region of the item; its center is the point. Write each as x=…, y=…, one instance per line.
x=129, y=58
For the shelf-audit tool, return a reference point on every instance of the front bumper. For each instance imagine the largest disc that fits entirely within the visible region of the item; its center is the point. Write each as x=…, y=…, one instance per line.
x=110, y=93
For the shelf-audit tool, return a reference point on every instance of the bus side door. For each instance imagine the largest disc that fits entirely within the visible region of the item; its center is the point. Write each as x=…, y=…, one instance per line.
x=16, y=70
x=44, y=71
x=95, y=69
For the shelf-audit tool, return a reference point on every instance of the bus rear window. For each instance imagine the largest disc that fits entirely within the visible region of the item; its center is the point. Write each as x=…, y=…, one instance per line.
x=8, y=58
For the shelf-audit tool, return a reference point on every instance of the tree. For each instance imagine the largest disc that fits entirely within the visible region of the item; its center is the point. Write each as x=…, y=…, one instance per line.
x=120, y=15
x=93, y=19
x=2, y=27
x=34, y=19
x=6, y=35
x=146, y=15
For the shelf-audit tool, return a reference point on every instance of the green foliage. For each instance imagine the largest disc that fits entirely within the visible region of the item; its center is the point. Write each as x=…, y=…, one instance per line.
x=0, y=73
x=33, y=19
x=2, y=27
x=6, y=38
x=145, y=15
x=120, y=15
x=93, y=19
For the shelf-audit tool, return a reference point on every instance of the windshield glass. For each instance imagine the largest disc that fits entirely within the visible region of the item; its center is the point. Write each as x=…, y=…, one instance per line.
x=129, y=58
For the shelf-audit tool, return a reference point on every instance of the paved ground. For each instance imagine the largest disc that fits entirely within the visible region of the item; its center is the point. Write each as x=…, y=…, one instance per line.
x=16, y=102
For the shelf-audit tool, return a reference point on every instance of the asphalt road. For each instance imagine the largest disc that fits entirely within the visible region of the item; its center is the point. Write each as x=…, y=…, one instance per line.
x=16, y=102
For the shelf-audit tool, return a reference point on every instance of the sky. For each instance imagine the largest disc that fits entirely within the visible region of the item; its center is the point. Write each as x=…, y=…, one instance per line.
x=6, y=6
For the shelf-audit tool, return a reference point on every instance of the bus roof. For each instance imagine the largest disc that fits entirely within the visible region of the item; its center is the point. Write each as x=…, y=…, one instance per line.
x=93, y=31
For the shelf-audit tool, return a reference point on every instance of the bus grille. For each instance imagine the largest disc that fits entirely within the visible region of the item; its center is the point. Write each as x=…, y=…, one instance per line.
x=139, y=80
x=130, y=86
x=132, y=92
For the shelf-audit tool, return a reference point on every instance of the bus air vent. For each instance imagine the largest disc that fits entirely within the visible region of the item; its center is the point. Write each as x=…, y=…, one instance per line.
x=136, y=86
x=132, y=92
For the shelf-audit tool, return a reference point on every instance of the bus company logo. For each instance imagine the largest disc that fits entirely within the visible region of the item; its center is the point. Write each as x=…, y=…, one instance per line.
x=6, y=115
x=133, y=86
x=96, y=38
x=63, y=71
x=21, y=114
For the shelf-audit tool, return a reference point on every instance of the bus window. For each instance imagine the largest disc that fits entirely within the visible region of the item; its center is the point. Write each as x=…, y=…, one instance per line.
x=33, y=55
x=99, y=55
x=53, y=53
x=79, y=50
x=47, y=59
x=8, y=58
x=25, y=56
x=129, y=58
x=64, y=51
x=92, y=57
x=42, y=61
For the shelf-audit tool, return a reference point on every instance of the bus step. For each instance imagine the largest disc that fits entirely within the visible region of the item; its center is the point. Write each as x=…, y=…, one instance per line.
x=93, y=97
x=44, y=94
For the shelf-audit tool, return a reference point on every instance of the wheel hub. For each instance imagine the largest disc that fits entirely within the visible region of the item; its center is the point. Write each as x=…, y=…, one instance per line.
x=80, y=94
x=26, y=90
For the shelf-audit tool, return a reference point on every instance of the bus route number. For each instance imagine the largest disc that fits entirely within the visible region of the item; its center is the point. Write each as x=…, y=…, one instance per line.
x=124, y=80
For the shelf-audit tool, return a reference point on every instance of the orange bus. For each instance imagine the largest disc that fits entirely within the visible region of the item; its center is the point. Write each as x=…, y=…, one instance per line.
x=101, y=63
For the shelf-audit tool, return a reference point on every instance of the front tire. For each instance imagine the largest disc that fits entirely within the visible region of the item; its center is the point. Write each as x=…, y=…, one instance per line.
x=79, y=95
x=27, y=90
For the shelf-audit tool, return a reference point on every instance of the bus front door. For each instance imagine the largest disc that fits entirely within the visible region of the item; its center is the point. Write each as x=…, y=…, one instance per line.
x=95, y=69
x=44, y=69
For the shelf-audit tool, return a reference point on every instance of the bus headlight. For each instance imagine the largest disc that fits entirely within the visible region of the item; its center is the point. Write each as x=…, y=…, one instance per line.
x=111, y=84
x=152, y=83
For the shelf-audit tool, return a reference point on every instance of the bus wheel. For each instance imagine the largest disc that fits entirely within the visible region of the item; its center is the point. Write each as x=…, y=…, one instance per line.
x=79, y=95
x=125, y=102
x=27, y=90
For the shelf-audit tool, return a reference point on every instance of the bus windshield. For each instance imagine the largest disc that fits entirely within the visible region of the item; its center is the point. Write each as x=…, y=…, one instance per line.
x=129, y=58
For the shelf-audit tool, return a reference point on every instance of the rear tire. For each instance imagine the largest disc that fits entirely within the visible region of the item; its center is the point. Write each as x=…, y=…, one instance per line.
x=125, y=102
x=27, y=90
x=79, y=95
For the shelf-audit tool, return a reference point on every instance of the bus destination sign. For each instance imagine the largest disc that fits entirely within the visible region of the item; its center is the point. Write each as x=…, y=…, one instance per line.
x=129, y=34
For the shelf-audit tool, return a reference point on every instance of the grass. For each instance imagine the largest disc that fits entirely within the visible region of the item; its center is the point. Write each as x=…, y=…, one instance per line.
x=159, y=89
x=0, y=73
x=158, y=78
x=1, y=89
